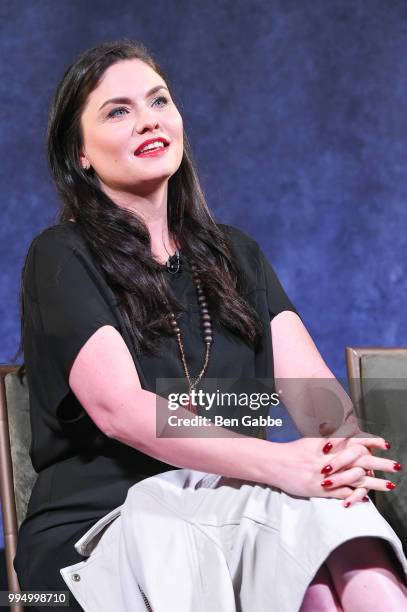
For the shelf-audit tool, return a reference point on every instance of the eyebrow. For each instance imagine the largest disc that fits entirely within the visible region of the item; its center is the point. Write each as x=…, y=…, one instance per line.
x=125, y=100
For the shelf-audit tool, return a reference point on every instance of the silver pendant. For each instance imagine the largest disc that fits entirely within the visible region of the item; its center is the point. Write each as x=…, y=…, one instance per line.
x=173, y=266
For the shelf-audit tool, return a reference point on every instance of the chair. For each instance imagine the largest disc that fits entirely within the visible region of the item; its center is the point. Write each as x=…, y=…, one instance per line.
x=17, y=475
x=377, y=380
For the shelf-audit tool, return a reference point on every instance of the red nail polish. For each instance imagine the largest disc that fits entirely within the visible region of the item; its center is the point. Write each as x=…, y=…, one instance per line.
x=347, y=504
x=327, y=447
x=388, y=445
x=326, y=483
x=365, y=498
x=326, y=469
x=397, y=466
x=390, y=485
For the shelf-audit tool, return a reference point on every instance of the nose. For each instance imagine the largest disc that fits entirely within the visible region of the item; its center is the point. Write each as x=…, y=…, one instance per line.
x=146, y=120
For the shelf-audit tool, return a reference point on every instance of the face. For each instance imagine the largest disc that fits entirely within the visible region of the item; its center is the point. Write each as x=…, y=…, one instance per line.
x=113, y=131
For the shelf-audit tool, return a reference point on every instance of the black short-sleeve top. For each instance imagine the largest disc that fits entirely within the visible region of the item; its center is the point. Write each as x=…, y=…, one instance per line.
x=82, y=473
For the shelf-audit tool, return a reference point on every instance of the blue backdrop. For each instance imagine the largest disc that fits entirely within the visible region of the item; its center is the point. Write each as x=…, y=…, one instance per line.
x=296, y=115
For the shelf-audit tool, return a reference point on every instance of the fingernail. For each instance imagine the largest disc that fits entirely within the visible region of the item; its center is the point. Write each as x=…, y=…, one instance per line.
x=347, y=504
x=397, y=466
x=327, y=448
x=388, y=445
x=326, y=483
x=390, y=485
x=365, y=498
x=326, y=469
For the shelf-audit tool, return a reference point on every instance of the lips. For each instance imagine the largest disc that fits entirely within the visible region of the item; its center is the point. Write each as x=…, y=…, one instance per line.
x=149, y=141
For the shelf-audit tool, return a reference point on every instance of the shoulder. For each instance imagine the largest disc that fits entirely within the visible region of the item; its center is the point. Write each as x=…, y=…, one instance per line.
x=238, y=236
x=56, y=249
x=247, y=256
x=59, y=259
x=245, y=248
x=59, y=236
x=57, y=244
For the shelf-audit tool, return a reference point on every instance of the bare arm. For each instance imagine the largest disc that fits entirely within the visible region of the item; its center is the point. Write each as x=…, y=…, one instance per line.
x=105, y=381
x=310, y=391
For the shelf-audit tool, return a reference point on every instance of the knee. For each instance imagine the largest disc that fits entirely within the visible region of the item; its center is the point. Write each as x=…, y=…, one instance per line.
x=320, y=595
x=319, y=598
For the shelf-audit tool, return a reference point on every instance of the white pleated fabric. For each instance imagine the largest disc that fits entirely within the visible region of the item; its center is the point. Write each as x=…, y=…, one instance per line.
x=196, y=542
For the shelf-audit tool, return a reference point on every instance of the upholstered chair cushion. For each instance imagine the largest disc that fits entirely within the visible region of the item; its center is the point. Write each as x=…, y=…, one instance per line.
x=384, y=391
x=20, y=438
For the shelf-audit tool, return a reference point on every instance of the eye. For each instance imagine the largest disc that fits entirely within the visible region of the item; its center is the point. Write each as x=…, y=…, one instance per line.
x=163, y=99
x=120, y=109
x=116, y=110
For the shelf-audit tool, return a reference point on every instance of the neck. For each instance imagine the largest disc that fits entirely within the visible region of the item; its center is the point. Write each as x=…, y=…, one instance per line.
x=151, y=207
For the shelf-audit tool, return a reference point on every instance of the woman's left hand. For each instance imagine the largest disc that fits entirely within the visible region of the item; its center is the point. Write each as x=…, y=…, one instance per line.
x=351, y=431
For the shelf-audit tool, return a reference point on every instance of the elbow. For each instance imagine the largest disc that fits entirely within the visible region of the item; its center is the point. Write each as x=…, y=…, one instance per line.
x=103, y=420
x=130, y=421
x=108, y=430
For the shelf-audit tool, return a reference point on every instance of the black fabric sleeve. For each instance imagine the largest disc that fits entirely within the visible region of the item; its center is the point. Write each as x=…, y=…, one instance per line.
x=71, y=304
x=277, y=299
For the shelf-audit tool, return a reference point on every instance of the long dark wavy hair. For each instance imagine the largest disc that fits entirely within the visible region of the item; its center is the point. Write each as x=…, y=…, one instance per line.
x=119, y=239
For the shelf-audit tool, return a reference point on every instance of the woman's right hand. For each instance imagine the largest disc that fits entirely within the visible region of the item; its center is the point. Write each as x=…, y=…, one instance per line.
x=301, y=472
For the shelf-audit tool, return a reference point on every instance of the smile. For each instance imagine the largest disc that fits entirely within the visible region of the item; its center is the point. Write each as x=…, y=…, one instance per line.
x=153, y=146
x=154, y=152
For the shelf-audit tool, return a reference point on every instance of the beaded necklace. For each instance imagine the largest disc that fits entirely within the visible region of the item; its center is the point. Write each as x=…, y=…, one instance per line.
x=206, y=328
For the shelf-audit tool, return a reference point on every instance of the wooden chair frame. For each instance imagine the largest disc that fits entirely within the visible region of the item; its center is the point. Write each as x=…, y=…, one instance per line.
x=10, y=529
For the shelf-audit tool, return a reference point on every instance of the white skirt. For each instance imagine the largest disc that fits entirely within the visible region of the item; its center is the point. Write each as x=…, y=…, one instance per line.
x=188, y=541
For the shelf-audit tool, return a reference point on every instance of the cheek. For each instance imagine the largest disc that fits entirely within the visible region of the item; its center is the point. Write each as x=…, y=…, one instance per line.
x=176, y=125
x=180, y=125
x=117, y=143
x=106, y=142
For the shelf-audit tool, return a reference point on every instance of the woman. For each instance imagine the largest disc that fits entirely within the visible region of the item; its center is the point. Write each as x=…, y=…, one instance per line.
x=114, y=300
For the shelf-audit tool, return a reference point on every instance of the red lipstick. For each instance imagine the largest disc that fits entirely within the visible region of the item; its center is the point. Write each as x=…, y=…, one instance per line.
x=152, y=152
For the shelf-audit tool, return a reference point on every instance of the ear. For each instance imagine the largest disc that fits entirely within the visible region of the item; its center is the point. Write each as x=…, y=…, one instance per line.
x=84, y=161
